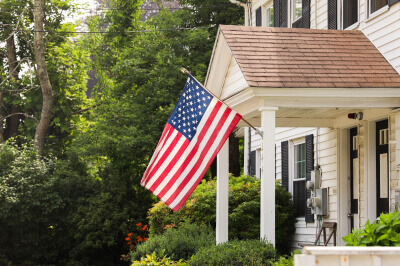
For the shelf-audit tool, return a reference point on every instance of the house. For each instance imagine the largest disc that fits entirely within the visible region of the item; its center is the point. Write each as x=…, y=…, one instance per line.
x=323, y=86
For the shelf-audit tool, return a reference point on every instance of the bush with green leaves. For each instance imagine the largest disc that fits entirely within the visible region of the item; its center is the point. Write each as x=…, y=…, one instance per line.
x=160, y=259
x=244, y=211
x=178, y=243
x=236, y=252
x=37, y=197
x=384, y=231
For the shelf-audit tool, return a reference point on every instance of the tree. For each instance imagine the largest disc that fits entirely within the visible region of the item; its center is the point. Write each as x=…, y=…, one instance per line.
x=25, y=113
x=47, y=91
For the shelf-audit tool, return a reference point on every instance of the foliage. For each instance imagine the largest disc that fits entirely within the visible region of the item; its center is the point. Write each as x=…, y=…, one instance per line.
x=66, y=64
x=179, y=243
x=37, y=198
x=285, y=260
x=158, y=260
x=384, y=231
x=244, y=211
x=236, y=252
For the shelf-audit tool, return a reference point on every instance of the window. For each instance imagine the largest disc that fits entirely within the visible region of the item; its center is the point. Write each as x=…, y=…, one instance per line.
x=270, y=16
x=350, y=12
x=377, y=4
x=297, y=162
x=297, y=12
x=299, y=179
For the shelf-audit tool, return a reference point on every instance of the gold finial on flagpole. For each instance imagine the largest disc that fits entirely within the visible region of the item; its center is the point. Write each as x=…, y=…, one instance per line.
x=184, y=71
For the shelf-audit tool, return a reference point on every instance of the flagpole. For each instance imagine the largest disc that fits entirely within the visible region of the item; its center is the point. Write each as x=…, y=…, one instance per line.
x=185, y=71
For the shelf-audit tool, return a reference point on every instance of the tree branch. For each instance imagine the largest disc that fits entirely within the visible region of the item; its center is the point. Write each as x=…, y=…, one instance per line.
x=26, y=115
x=86, y=109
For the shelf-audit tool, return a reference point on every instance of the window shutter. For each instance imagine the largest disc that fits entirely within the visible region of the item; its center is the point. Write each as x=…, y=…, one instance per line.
x=332, y=14
x=305, y=14
x=284, y=9
x=280, y=13
x=285, y=163
x=392, y=2
x=258, y=17
x=276, y=13
x=309, y=168
x=252, y=171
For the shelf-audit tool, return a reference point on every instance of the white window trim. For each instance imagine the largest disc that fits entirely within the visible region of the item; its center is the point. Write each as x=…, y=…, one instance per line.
x=377, y=13
x=292, y=144
x=292, y=12
x=355, y=25
x=265, y=9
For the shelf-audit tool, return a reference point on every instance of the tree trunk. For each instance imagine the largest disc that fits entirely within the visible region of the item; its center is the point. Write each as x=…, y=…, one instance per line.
x=47, y=92
x=12, y=123
x=234, y=155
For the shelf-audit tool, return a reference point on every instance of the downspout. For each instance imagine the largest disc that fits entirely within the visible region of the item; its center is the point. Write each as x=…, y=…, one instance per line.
x=247, y=11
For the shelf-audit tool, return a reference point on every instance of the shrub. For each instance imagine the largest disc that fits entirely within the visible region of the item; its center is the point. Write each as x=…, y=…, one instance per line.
x=236, y=252
x=384, y=231
x=244, y=211
x=155, y=259
x=179, y=243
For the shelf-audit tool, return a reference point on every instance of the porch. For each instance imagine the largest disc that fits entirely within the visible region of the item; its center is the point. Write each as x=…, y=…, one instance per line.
x=297, y=78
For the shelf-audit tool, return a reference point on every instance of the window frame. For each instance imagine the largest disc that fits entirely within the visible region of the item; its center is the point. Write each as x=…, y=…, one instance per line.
x=292, y=168
x=293, y=13
x=355, y=24
x=270, y=4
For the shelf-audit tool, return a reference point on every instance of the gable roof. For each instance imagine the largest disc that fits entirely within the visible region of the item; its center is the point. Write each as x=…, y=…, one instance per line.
x=306, y=58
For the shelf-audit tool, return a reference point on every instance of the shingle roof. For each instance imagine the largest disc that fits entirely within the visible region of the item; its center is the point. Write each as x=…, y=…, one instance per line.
x=299, y=58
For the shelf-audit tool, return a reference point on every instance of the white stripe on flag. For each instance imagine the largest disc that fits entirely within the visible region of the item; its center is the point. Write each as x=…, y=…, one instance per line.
x=167, y=161
x=185, y=154
x=205, y=160
x=194, y=159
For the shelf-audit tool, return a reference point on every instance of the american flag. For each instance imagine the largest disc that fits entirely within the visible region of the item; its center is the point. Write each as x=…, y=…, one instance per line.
x=198, y=127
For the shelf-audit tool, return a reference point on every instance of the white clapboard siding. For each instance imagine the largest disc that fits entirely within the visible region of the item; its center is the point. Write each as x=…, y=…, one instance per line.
x=326, y=148
x=394, y=173
x=384, y=32
x=234, y=81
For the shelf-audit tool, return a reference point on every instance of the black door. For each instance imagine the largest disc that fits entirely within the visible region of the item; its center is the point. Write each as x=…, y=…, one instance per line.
x=382, y=167
x=353, y=177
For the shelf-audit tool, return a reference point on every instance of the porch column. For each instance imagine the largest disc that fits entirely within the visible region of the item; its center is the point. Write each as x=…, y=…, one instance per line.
x=267, y=226
x=222, y=193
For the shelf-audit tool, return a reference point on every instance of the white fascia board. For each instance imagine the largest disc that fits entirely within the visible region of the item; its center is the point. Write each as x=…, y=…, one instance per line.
x=327, y=92
x=219, y=65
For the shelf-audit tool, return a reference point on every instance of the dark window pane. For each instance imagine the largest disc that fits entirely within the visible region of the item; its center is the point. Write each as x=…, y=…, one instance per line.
x=299, y=197
x=350, y=12
x=377, y=4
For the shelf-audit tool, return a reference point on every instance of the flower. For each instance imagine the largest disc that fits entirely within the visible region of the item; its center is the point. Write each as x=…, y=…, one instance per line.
x=127, y=238
x=139, y=224
x=145, y=239
x=139, y=238
x=130, y=234
x=144, y=227
x=129, y=243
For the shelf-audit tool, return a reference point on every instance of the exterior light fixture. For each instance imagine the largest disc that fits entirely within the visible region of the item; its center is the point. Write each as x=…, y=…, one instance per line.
x=358, y=115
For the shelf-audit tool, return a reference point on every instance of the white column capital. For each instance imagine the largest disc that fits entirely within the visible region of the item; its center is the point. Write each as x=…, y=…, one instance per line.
x=268, y=108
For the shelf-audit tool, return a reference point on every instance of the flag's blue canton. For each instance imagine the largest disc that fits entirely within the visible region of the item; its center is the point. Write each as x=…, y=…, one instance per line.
x=190, y=108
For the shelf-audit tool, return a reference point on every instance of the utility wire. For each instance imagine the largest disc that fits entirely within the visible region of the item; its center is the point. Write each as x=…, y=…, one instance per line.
x=115, y=32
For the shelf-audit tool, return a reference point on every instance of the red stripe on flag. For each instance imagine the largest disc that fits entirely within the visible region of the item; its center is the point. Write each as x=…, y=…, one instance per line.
x=166, y=152
x=171, y=164
x=165, y=135
x=192, y=152
x=203, y=153
x=224, y=138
